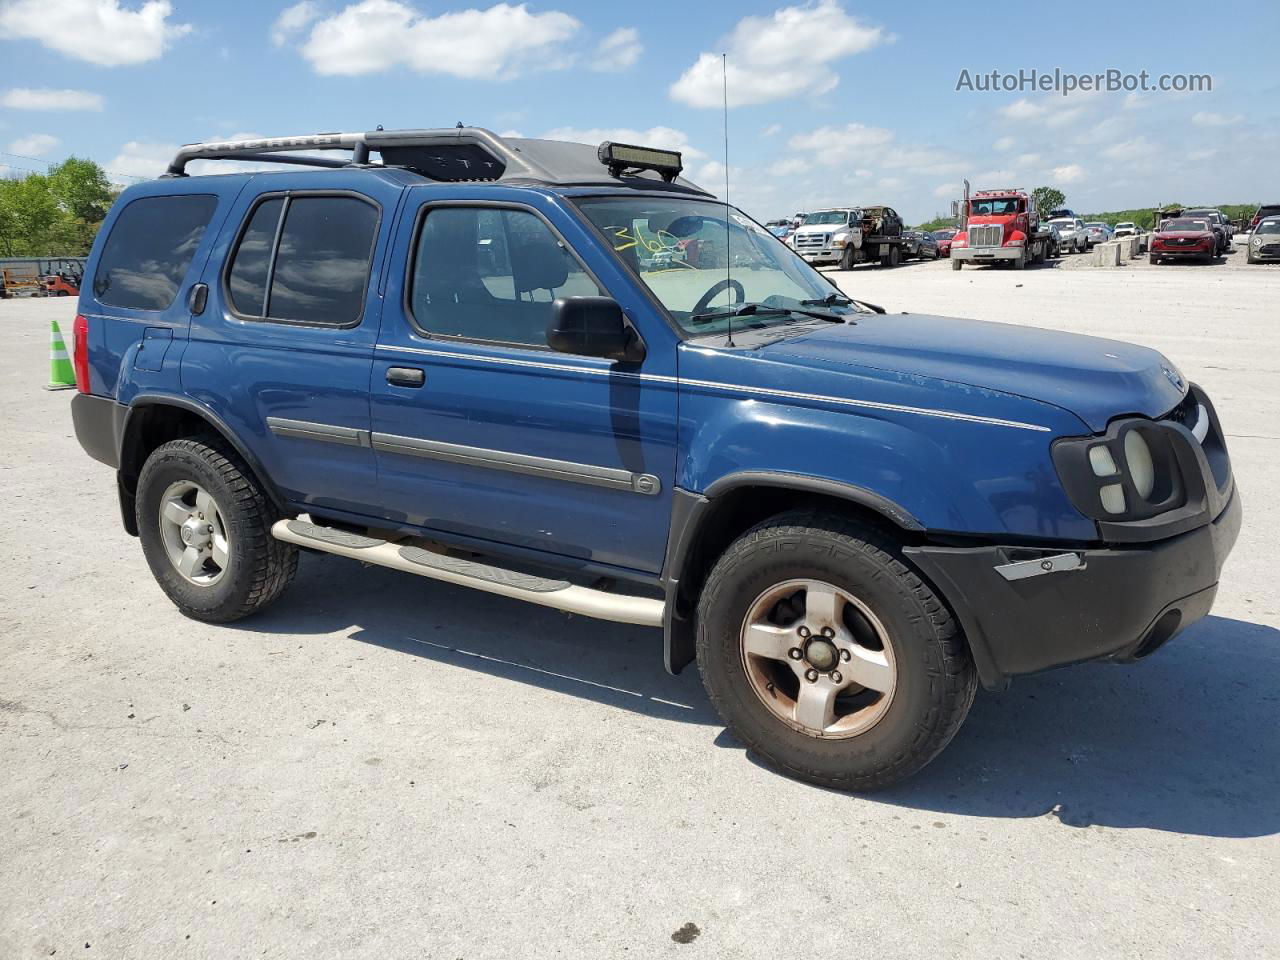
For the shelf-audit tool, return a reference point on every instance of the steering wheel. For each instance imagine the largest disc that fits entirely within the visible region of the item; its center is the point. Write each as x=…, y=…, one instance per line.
x=717, y=288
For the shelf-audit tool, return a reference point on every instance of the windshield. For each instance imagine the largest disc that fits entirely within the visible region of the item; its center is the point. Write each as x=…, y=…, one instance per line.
x=999, y=206
x=697, y=268
x=1269, y=226
x=1063, y=222
x=826, y=218
x=943, y=234
x=1182, y=224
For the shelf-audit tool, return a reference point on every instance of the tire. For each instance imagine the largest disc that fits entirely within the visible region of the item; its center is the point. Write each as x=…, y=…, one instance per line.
x=1153, y=258
x=846, y=259
x=1248, y=257
x=1019, y=263
x=255, y=567
x=934, y=680
x=956, y=264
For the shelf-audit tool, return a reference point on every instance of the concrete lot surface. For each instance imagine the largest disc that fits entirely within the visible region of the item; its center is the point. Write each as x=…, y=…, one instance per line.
x=384, y=766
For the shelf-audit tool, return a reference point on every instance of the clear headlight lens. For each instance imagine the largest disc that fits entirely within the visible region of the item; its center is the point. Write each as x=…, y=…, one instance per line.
x=1137, y=456
x=1104, y=465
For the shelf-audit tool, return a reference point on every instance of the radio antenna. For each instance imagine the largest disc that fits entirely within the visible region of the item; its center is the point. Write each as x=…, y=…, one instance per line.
x=728, y=253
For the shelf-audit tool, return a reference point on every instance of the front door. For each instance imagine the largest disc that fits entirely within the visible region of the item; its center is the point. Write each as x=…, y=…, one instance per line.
x=480, y=429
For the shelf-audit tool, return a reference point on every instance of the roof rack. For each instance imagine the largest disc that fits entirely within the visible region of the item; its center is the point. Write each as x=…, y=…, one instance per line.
x=460, y=154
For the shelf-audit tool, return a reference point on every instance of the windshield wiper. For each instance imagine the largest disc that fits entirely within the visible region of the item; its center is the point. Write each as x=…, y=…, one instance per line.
x=840, y=300
x=761, y=310
x=744, y=310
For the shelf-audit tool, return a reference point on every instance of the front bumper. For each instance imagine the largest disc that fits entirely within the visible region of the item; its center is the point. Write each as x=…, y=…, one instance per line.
x=1175, y=252
x=1119, y=603
x=985, y=254
x=821, y=255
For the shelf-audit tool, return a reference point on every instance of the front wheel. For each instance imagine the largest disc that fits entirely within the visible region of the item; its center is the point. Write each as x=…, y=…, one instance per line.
x=846, y=259
x=205, y=527
x=828, y=656
x=956, y=264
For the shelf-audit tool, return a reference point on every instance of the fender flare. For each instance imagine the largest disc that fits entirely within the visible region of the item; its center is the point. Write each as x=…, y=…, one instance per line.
x=690, y=510
x=215, y=422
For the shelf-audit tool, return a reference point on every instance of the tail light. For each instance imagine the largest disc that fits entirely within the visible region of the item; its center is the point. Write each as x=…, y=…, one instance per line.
x=80, y=352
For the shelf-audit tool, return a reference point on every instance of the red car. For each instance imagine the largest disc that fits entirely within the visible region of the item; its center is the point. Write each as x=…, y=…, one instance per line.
x=944, y=241
x=1184, y=238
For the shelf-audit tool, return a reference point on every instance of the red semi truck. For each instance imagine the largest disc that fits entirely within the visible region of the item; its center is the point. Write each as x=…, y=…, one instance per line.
x=1000, y=226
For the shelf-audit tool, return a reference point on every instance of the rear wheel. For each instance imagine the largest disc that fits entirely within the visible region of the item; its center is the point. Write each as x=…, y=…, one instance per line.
x=205, y=527
x=828, y=656
x=956, y=264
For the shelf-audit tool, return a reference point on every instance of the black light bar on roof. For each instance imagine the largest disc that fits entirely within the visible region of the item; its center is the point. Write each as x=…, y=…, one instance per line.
x=620, y=157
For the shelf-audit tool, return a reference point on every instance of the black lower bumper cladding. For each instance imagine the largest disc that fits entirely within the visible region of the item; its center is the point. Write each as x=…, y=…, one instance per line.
x=1120, y=603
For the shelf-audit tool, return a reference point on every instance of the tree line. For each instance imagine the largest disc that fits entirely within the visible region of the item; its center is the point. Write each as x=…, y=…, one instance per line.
x=56, y=213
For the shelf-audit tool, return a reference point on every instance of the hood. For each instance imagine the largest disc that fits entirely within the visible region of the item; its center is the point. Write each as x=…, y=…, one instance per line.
x=1183, y=234
x=1093, y=378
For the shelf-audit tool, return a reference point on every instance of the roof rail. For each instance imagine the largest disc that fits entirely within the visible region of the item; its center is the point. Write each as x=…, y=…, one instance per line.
x=449, y=155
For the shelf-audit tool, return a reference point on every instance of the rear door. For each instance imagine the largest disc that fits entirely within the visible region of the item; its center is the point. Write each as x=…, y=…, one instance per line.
x=479, y=428
x=282, y=352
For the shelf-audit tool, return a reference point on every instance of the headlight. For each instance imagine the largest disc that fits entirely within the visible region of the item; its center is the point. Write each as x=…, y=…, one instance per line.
x=1130, y=474
x=840, y=239
x=1137, y=456
x=1256, y=241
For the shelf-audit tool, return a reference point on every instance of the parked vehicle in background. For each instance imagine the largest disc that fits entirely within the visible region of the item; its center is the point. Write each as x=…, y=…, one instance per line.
x=1264, y=242
x=1184, y=238
x=850, y=235
x=780, y=228
x=944, y=238
x=1053, y=243
x=1061, y=213
x=1217, y=221
x=1000, y=226
x=1097, y=232
x=848, y=519
x=1126, y=228
x=1263, y=212
x=919, y=245
x=1072, y=235
x=61, y=285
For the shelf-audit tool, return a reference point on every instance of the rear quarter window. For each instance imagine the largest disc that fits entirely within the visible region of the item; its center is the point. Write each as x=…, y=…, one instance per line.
x=149, y=250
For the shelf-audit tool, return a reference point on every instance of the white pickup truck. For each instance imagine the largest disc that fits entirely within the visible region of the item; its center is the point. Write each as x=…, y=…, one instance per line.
x=1073, y=236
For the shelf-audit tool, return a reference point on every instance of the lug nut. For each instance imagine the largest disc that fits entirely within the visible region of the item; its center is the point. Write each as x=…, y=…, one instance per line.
x=836, y=678
x=795, y=653
x=811, y=676
x=846, y=656
x=828, y=632
x=803, y=631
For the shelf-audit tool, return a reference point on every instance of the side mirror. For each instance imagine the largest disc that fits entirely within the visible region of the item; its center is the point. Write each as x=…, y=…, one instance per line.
x=592, y=327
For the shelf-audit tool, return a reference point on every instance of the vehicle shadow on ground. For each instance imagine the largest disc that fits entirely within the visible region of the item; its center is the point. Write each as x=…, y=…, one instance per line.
x=1184, y=742
x=612, y=664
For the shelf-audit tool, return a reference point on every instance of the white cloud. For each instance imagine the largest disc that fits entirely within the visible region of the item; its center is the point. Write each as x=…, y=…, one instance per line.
x=1138, y=148
x=1026, y=159
x=618, y=51
x=1051, y=111
x=377, y=35
x=772, y=130
x=1022, y=109
x=1070, y=173
x=779, y=56
x=98, y=31
x=28, y=98
x=1005, y=143
x=947, y=190
x=836, y=146
x=1205, y=118
x=34, y=145
x=788, y=167
x=140, y=158
x=293, y=20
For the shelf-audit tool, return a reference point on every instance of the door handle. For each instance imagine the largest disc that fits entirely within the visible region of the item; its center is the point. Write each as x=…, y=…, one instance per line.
x=406, y=376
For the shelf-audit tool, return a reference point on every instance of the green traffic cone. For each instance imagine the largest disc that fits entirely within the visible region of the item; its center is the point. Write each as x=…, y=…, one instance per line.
x=61, y=375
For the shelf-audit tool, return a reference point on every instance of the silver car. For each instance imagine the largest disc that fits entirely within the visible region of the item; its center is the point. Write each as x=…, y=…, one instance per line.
x=1264, y=245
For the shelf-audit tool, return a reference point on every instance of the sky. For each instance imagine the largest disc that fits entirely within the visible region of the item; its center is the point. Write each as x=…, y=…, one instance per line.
x=832, y=102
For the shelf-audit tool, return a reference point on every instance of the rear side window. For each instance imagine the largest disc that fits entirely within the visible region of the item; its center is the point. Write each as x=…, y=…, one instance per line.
x=305, y=259
x=149, y=251
x=486, y=273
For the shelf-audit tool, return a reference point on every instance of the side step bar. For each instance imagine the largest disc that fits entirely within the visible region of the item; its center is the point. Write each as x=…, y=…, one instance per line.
x=559, y=594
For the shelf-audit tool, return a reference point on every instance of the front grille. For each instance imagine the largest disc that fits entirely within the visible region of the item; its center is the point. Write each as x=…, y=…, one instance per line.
x=812, y=240
x=1181, y=242
x=986, y=235
x=1270, y=249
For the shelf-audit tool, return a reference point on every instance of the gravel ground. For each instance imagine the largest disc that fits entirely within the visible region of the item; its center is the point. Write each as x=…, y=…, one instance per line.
x=383, y=766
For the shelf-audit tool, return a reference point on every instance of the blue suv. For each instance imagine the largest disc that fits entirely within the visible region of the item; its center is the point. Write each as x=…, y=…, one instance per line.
x=565, y=374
